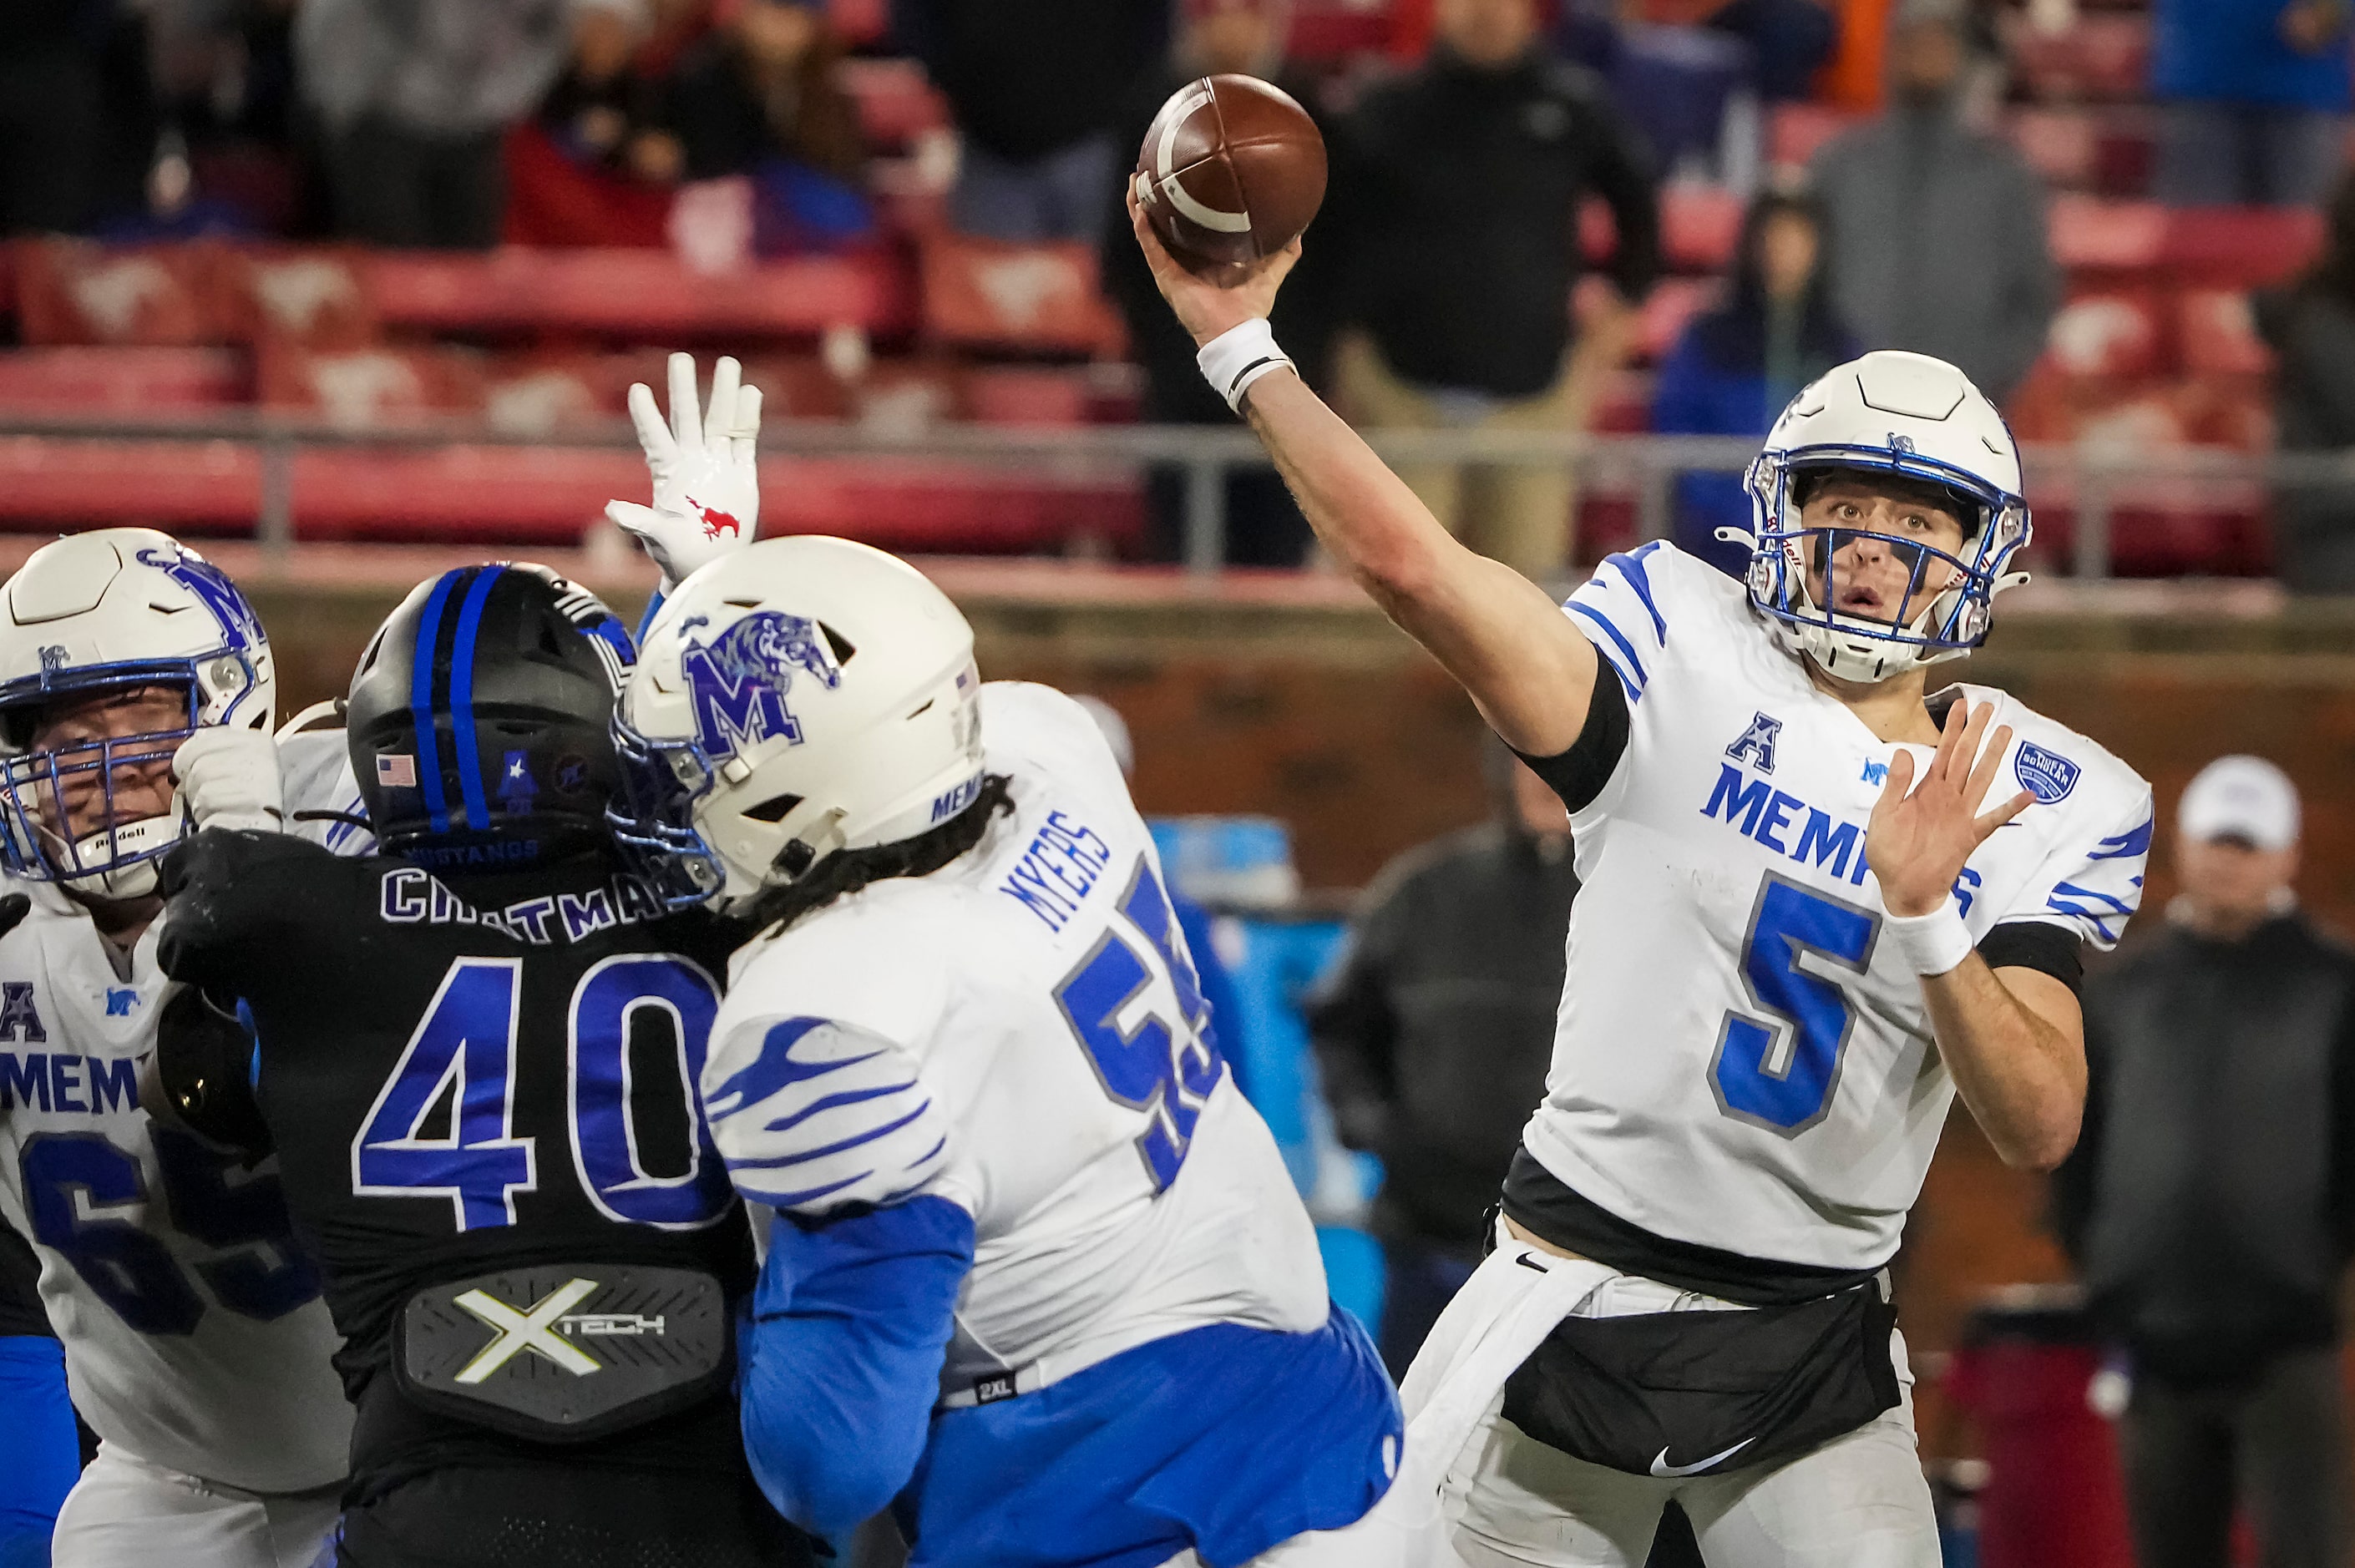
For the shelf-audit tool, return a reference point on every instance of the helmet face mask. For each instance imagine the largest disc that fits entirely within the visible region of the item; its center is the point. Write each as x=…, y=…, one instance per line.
x=1935, y=429
x=95, y=806
x=90, y=624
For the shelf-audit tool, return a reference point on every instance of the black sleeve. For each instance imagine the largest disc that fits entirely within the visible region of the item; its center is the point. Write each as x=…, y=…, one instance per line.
x=1355, y=1033
x=2036, y=945
x=204, y=1060
x=1579, y=774
x=21, y=1312
x=2070, y=1207
x=2342, y=1127
x=234, y=901
x=1620, y=168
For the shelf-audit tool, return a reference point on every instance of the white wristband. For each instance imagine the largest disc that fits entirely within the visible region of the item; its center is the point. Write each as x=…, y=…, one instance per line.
x=1238, y=357
x=1932, y=943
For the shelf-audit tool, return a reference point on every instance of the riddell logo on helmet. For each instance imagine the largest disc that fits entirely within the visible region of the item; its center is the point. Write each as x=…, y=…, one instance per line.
x=739, y=682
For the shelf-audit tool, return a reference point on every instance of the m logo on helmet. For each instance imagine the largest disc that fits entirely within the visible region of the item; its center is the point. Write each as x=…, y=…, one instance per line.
x=738, y=681
x=240, y=628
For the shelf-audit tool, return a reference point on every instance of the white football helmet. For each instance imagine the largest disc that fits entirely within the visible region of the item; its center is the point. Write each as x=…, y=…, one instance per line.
x=798, y=697
x=1887, y=413
x=109, y=610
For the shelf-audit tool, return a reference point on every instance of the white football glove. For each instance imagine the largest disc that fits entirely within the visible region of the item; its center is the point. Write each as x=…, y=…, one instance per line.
x=229, y=779
x=706, y=482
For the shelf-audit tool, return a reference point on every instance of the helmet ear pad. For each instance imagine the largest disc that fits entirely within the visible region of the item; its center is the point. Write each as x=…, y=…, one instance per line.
x=480, y=721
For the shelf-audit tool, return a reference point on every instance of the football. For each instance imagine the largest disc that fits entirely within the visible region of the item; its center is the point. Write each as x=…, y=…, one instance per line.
x=1232, y=170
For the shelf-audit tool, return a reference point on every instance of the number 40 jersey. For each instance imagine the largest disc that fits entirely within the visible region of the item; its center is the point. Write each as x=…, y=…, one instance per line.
x=1742, y=1059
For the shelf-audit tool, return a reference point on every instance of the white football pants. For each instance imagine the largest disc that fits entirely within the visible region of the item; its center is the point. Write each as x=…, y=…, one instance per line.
x=1858, y=1502
x=127, y=1513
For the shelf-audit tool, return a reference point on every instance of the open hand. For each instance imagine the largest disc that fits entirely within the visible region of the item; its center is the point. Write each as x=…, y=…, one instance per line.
x=707, y=489
x=1919, y=839
x=1208, y=308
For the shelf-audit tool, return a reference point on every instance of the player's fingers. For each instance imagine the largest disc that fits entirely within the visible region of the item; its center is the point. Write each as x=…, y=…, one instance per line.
x=1899, y=779
x=1991, y=757
x=744, y=435
x=685, y=418
x=1986, y=826
x=654, y=436
x=1156, y=255
x=727, y=379
x=1950, y=737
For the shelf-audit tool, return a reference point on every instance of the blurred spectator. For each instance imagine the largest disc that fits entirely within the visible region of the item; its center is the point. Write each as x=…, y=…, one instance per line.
x=1435, y=1032
x=2255, y=94
x=1264, y=527
x=758, y=98
x=1789, y=42
x=2312, y=329
x=49, y=97
x=1736, y=367
x=2210, y=1200
x=1454, y=207
x=413, y=97
x=1037, y=87
x=1937, y=232
x=602, y=110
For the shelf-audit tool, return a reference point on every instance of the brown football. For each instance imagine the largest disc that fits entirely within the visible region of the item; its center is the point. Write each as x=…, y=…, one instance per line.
x=1232, y=170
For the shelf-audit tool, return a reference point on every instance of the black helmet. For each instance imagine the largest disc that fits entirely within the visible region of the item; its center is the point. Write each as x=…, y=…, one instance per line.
x=480, y=719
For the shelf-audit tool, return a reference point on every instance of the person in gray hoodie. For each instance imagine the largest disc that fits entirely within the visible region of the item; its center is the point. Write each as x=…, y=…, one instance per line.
x=412, y=99
x=1937, y=236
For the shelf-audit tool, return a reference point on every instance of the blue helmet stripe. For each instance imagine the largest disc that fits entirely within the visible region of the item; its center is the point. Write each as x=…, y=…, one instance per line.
x=461, y=696
x=420, y=702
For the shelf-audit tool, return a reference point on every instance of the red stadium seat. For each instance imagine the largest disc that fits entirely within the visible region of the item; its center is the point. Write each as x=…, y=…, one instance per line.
x=1334, y=30
x=132, y=381
x=74, y=292
x=2112, y=334
x=2242, y=246
x=2062, y=145
x=1027, y=395
x=313, y=297
x=860, y=22
x=635, y=295
x=1033, y=299
x=1624, y=406
x=2219, y=334
x=1700, y=226
x=524, y=495
x=361, y=387
x=2092, y=235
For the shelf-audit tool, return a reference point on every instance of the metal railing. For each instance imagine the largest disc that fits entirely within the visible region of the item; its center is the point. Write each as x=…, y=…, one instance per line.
x=2093, y=480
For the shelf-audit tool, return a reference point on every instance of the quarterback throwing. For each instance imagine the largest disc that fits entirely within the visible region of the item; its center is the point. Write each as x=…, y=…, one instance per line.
x=1820, y=901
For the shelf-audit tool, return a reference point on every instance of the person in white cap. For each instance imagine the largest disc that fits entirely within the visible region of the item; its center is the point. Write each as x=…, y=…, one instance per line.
x=2210, y=1201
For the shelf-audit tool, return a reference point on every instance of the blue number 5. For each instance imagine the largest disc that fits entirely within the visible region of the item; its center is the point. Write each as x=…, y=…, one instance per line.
x=1779, y=1072
x=1167, y=1073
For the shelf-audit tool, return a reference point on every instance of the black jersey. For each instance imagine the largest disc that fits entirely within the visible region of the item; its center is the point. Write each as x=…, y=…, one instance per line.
x=481, y=1090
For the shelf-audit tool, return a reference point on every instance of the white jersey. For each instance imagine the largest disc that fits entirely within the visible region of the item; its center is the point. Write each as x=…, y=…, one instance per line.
x=1036, y=993
x=194, y=1336
x=1740, y=1060
x=323, y=803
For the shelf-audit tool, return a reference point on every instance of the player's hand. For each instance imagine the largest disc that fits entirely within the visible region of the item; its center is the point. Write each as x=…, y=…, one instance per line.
x=706, y=481
x=1204, y=308
x=229, y=779
x=1920, y=838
